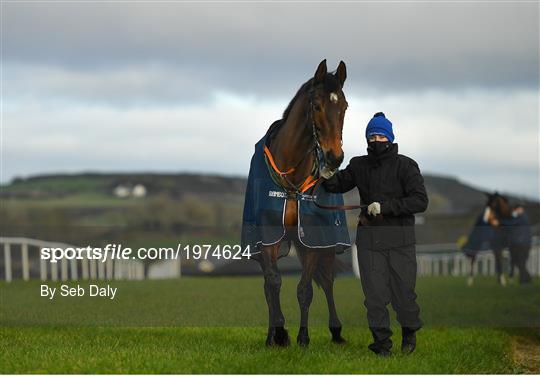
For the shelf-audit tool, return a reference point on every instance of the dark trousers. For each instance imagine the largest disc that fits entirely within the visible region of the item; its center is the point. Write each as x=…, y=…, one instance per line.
x=389, y=277
x=519, y=254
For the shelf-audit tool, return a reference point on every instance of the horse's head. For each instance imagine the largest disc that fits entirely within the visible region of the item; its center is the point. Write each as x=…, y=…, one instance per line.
x=328, y=106
x=499, y=208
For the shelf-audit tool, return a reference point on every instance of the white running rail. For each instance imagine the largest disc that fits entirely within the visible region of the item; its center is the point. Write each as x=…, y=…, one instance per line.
x=443, y=261
x=73, y=269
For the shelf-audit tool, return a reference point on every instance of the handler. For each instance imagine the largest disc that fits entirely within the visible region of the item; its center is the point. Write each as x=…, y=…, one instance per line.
x=519, y=242
x=394, y=188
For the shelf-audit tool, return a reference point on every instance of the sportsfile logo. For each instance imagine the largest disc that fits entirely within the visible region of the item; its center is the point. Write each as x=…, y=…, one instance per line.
x=276, y=194
x=119, y=252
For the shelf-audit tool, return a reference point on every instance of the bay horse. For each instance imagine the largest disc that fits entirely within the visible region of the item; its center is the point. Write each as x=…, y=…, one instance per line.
x=496, y=210
x=310, y=135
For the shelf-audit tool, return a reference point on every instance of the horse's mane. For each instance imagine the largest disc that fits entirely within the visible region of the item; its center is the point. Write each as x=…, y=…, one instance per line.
x=331, y=83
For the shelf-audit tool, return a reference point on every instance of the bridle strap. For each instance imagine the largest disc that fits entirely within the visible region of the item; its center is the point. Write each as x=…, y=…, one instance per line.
x=312, y=179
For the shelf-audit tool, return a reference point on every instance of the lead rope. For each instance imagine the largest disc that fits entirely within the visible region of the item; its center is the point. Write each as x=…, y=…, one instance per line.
x=333, y=207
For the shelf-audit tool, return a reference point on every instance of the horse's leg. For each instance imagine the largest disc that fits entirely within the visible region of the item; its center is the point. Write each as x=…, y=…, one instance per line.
x=277, y=334
x=326, y=265
x=470, y=280
x=497, y=253
x=269, y=301
x=304, y=292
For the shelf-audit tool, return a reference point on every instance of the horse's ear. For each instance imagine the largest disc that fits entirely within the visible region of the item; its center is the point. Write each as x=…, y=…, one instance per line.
x=341, y=73
x=321, y=71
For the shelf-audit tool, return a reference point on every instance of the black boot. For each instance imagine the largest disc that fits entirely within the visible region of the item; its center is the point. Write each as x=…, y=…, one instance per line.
x=381, y=349
x=408, y=342
x=382, y=344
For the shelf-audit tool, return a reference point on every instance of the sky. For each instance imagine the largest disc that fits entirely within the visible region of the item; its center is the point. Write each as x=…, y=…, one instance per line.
x=192, y=86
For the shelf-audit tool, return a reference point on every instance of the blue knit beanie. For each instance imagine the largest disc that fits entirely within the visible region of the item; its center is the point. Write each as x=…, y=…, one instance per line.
x=379, y=124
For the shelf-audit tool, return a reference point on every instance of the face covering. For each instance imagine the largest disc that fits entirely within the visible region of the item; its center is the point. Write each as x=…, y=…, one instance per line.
x=378, y=147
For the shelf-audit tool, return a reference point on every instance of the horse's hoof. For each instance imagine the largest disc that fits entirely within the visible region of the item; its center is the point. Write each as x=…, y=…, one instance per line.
x=339, y=340
x=281, y=337
x=270, y=337
x=303, y=337
x=336, y=335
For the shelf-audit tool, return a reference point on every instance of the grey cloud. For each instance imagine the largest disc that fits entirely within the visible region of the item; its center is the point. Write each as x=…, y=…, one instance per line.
x=264, y=48
x=500, y=151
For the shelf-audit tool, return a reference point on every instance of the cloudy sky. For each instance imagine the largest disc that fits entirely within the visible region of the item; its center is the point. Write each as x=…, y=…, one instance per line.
x=186, y=86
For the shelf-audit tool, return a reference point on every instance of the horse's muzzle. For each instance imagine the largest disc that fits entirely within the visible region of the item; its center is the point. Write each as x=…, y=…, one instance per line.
x=333, y=161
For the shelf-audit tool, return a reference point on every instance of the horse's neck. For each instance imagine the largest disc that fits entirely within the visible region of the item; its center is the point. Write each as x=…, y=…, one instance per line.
x=293, y=142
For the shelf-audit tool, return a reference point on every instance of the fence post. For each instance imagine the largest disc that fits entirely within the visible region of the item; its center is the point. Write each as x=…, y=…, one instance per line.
x=54, y=271
x=25, y=265
x=64, y=269
x=42, y=267
x=446, y=268
x=84, y=267
x=109, y=269
x=140, y=271
x=101, y=269
x=456, y=266
x=7, y=262
x=74, y=271
x=118, y=269
x=92, y=269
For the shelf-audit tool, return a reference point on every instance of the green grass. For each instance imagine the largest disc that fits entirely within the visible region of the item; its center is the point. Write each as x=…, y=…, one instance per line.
x=240, y=350
x=217, y=325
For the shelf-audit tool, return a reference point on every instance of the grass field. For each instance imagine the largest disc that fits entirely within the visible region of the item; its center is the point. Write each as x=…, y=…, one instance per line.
x=217, y=325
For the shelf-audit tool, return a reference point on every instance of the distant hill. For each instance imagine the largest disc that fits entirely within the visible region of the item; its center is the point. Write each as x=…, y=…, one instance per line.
x=141, y=209
x=175, y=185
x=448, y=196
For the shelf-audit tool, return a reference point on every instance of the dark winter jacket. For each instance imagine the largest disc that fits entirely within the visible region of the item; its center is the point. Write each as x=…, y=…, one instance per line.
x=394, y=181
x=518, y=230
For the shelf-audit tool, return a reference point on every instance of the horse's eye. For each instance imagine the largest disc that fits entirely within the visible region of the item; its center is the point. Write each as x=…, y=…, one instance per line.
x=317, y=107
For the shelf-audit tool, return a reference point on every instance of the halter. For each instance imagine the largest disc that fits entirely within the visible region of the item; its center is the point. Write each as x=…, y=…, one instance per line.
x=312, y=178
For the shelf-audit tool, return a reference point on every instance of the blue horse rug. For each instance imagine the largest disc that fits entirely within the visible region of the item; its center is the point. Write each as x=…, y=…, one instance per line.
x=264, y=212
x=484, y=237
